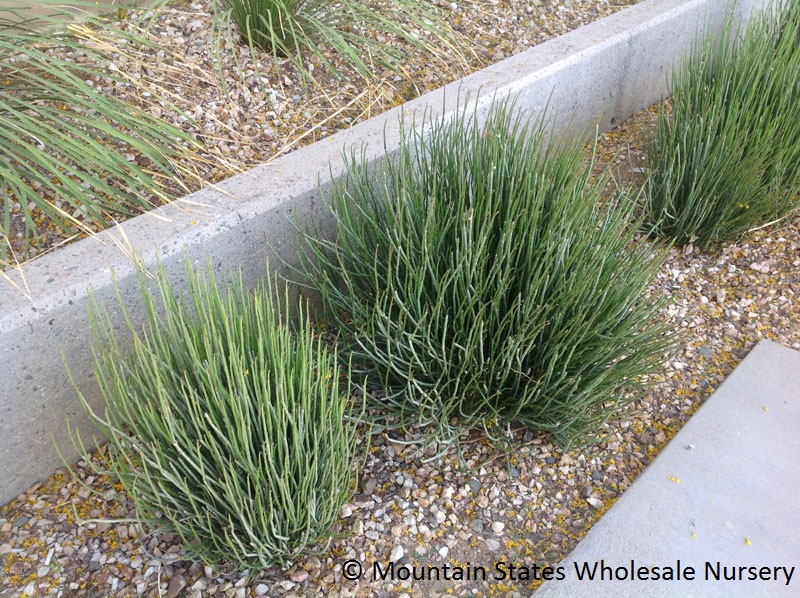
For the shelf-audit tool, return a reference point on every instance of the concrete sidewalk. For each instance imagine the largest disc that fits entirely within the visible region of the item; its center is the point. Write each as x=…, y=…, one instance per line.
x=721, y=500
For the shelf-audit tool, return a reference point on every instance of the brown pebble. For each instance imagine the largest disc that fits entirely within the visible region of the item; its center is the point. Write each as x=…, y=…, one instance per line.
x=176, y=586
x=299, y=575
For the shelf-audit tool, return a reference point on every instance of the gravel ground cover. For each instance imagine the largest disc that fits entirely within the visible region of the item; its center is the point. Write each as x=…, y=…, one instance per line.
x=525, y=506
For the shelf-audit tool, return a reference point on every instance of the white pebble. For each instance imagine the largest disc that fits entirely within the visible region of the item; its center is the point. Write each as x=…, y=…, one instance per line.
x=498, y=527
x=595, y=502
x=397, y=553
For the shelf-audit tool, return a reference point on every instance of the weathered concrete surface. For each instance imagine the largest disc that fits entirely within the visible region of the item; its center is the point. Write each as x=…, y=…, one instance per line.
x=595, y=76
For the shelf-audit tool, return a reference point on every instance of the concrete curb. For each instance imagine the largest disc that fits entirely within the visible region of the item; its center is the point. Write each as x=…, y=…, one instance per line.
x=597, y=75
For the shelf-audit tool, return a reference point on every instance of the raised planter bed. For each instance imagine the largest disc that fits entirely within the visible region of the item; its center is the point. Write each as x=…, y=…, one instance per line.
x=595, y=76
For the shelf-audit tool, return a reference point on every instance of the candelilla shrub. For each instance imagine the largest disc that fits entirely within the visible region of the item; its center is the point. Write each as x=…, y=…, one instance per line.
x=359, y=32
x=225, y=427
x=726, y=157
x=478, y=281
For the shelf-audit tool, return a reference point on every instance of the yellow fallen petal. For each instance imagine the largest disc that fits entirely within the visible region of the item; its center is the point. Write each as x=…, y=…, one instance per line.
x=748, y=542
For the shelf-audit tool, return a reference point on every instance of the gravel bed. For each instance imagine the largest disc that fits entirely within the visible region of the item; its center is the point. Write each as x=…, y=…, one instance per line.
x=524, y=506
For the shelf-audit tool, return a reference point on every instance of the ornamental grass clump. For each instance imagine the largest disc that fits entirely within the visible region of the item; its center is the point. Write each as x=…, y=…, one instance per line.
x=726, y=157
x=361, y=33
x=66, y=143
x=478, y=281
x=225, y=427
